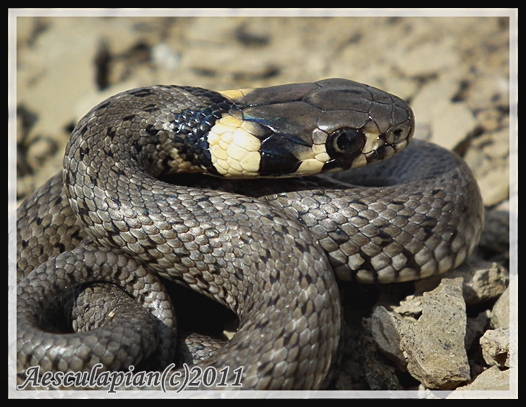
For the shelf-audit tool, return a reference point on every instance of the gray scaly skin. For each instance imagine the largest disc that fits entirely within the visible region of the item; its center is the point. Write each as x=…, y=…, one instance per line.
x=267, y=255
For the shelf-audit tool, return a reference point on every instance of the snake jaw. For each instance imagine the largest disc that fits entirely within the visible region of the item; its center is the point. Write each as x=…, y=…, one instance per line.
x=389, y=143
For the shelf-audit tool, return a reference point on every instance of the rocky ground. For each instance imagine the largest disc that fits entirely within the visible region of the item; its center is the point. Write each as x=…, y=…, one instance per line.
x=453, y=71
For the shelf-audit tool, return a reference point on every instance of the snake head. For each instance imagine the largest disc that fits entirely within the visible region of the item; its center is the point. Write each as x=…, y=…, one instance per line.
x=309, y=128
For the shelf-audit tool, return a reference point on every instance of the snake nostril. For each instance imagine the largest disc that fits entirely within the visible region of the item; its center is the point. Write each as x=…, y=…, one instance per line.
x=397, y=133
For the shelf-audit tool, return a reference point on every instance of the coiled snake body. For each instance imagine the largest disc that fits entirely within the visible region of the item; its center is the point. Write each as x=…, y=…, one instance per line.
x=265, y=248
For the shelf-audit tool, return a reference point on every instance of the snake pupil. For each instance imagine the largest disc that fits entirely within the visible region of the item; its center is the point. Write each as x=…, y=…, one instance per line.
x=346, y=141
x=343, y=146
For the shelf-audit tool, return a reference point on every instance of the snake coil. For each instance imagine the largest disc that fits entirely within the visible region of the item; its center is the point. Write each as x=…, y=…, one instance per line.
x=269, y=249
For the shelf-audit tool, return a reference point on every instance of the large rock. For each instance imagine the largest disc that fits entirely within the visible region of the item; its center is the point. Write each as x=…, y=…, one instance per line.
x=432, y=346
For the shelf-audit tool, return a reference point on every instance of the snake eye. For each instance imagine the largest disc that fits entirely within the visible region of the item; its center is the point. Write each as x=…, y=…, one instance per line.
x=346, y=141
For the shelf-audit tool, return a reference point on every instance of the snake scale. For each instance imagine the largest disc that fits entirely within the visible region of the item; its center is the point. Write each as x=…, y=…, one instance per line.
x=269, y=249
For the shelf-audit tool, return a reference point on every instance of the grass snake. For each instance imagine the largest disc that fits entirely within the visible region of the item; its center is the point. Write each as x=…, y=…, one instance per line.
x=267, y=246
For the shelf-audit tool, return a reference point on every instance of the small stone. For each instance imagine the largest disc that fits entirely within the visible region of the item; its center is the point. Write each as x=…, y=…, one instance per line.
x=500, y=315
x=483, y=280
x=496, y=347
x=386, y=330
x=491, y=379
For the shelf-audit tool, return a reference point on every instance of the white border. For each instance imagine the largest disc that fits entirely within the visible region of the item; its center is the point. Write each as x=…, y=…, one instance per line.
x=13, y=13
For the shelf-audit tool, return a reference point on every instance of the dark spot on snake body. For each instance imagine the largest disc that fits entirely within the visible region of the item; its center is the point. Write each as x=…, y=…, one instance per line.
x=410, y=262
x=301, y=247
x=28, y=358
x=151, y=130
x=239, y=274
x=273, y=300
x=142, y=92
x=93, y=180
x=60, y=247
x=128, y=118
x=286, y=339
x=83, y=152
x=116, y=201
x=384, y=239
x=428, y=225
x=398, y=201
x=359, y=202
x=263, y=368
x=212, y=114
x=76, y=235
x=246, y=239
x=165, y=165
x=308, y=278
x=150, y=108
x=55, y=364
x=366, y=265
x=111, y=132
x=274, y=278
x=266, y=256
x=262, y=324
x=216, y=270
x=269, y=216
x=83, y=211
x=69, y=181
x=138, y=147
x=149, y=246
x=82, y=130
x=102, y=106
x=339, y=237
